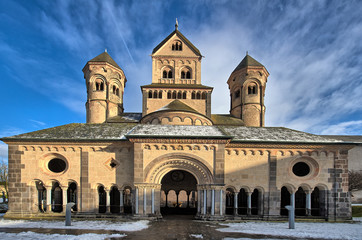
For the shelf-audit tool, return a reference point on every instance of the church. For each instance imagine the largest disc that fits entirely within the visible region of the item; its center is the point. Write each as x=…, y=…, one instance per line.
x=176, y=156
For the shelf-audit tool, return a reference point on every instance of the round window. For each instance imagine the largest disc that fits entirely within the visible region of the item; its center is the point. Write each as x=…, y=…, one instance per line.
x=57, y=165
x=301, y=169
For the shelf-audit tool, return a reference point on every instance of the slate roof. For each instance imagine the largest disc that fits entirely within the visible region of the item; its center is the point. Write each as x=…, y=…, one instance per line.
x=273, y=134
x=105, y=57
x=177, y=131
x=248, y=61
x=346, y=138
x=182, y=37
x=122, y=131
x=187, y=86
x=78, y=132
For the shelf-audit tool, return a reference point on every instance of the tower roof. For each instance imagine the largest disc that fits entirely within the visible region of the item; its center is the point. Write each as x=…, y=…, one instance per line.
x=247, y=62
x=182, y=37
x=105, y=57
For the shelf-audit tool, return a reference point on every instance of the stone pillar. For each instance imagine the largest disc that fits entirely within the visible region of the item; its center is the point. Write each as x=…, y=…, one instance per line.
x=213, y=202
x=308, y=204
x=205, y=201
x=64, y=199
x=49, y=198
x=136, y=201
x=153, y=201
x=221, y=202
x=292, y=199
x=199, y=201
x=249, y=204
x=108, y=200
x=236, y=203
x=144, y=201
x=121, y=201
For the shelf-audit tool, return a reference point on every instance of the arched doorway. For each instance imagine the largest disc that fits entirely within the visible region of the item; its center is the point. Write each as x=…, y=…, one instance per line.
x=229, y=201
x=178, y=193
x=102, y=200
x=72, y=195
x=57, y=198
x=284, y=201
x=115, y=198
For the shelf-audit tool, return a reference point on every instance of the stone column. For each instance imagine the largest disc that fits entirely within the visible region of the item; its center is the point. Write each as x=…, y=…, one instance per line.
x=221, y=202
x=213, y=202
x=292, y=199
x=136, y=201
x=308, y=204
x=64, y=200
x=205, y=201
x=49, y=198
x=108, y=201
x=121, y=201
x=153, y=201
x=199, y=201
x=249, y=203
x=236, y=203
x=144, y=201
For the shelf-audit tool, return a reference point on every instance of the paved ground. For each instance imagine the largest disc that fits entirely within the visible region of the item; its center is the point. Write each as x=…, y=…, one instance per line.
x=170, y=228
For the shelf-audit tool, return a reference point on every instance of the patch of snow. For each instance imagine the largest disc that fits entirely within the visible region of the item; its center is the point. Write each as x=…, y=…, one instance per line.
x=302, y=229
x=95, y=225
x=32, y=235
x=197, y=236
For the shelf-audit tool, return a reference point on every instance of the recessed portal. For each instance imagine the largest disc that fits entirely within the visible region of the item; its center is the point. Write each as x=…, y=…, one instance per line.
x=178, y=193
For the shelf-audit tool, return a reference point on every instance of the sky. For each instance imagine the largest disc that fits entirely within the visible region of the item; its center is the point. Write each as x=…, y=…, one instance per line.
x=312, y=50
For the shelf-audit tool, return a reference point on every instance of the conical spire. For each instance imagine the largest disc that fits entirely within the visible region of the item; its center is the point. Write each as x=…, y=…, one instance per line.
x=105, y=57
x=247, y=62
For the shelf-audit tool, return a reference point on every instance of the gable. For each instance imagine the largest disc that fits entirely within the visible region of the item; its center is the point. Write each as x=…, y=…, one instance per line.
x=170, y=46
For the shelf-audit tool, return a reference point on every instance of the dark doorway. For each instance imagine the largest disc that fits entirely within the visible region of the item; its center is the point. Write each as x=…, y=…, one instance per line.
x=300, y=202
x=57, y=198
x=127, y=200
x=315, y=202
x=255, y=202
x=229, y=201
x=102, y=196
x=41, y=196
x=115, y=200
x=178, y=193
x=72, y=195
x=242, y=202
x=284, y=201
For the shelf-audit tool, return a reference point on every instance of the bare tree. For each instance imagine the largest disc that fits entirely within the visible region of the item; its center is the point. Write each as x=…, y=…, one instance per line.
x=4, y=180
x=355, y=180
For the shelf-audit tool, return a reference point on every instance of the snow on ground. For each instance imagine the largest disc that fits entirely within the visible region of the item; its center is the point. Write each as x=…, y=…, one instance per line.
x=199, y=236
x=41, y=236
x=302, y=229
x=94, y=225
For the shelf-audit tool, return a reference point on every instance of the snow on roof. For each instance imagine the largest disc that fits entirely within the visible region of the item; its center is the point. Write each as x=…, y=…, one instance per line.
x=273, y=134
x=149, y=130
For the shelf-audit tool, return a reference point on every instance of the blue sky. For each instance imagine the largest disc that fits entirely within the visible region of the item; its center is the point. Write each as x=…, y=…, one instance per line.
x=312, y=50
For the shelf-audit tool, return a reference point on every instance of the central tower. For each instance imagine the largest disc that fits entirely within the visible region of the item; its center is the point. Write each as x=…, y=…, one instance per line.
x=176, y=75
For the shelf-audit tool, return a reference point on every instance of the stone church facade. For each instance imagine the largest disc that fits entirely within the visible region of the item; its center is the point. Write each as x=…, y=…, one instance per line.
x=176, y=156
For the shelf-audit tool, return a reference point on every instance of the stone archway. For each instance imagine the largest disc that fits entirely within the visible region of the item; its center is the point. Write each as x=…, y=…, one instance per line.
x=179, y=193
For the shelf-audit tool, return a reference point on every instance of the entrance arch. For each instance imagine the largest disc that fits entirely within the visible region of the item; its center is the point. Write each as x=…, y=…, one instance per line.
x=180, y=193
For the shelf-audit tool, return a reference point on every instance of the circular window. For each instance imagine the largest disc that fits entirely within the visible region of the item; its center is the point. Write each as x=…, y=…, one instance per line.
x=57, y=165
x=301, y=169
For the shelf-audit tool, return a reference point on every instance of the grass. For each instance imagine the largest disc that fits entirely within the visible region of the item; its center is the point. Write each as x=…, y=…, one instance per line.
x=356, y=211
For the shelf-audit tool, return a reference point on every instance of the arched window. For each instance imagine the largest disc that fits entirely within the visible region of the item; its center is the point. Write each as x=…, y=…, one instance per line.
x=184, y=95
x=174, y=95
x=160, y=94
x=198, y=95
x=169, y=95
x=188, y=75
x=150, y=94
x=57, y=198
x=203, y=96
x=252, y=89
x=114, y=88
x=164, y=74
x=155, y=94
x=117, y=92
x=177, y=46
x=183, y=75
x=99, y=85
x=193, y=95
x=179, y=95
x=237, y=94
x=169, y=75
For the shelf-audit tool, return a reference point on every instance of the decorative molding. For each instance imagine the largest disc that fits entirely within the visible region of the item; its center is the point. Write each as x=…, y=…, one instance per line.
x=177, y=140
